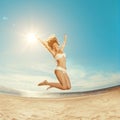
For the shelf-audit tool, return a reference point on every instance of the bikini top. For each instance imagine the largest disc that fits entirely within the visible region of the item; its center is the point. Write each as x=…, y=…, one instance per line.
x=59, y=55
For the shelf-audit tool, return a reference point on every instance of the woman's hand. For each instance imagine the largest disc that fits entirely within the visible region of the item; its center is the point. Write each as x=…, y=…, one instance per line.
x=38, y=38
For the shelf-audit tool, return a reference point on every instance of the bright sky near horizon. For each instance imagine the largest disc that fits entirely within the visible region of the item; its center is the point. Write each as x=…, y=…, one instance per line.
x=93, y=46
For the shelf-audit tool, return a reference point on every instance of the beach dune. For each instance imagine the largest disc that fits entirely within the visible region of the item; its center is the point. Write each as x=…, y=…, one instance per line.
x=100, y=106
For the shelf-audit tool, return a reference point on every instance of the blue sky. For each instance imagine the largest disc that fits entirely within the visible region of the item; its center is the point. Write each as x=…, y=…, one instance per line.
x=92, y=27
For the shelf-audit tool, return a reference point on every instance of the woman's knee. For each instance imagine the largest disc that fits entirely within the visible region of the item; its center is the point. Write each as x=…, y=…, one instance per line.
x=66, y=87
x=69, y=87
x=68, y=82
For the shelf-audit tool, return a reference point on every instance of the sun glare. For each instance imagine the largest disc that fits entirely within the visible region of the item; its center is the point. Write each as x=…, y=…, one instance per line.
x=31, y=37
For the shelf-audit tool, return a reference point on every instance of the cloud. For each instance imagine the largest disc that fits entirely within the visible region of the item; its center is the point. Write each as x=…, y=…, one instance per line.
x=26, y=76
x=88, y=80
x=23, y=82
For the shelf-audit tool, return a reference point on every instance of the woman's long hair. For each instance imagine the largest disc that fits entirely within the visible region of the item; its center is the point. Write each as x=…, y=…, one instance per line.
x=51, y=41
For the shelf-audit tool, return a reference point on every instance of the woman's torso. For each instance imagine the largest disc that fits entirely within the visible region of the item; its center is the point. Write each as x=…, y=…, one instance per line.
x=60, y=59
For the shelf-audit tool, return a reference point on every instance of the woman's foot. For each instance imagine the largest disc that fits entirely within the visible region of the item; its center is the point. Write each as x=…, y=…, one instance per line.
x=45, y=82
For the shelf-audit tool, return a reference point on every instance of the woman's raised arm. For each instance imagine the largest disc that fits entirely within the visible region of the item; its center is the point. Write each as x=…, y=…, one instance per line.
x=45, y=44
x=64, y=42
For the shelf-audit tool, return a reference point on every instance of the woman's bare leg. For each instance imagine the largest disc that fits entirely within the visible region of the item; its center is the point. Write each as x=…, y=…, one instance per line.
x=56, y=85
x=51, y=84
x=64, y=82
x=67, y=80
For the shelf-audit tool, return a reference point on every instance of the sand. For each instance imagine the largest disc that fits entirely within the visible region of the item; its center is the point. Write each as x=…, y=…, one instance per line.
x=100, y=106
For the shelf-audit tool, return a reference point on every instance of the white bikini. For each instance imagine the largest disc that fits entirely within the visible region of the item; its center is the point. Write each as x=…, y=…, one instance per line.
x=57, y=57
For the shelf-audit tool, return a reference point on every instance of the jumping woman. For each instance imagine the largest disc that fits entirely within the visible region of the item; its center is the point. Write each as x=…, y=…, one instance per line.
x=57, y=52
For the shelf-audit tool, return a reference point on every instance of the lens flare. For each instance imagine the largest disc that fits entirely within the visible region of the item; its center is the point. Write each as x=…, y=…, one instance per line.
x=31, y=37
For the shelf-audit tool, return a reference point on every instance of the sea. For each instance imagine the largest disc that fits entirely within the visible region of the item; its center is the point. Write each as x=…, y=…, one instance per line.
x=52, y=94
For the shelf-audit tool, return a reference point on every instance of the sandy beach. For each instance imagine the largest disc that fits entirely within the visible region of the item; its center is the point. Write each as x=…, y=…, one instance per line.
x=100, y=106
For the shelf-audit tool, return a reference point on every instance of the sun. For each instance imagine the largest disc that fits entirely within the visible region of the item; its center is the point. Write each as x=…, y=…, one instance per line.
x=31, y=37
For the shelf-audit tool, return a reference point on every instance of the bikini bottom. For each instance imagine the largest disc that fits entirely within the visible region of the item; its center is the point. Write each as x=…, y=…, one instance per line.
x=61, y=69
